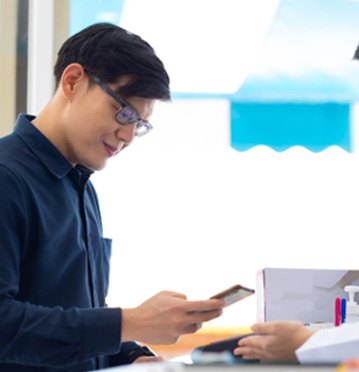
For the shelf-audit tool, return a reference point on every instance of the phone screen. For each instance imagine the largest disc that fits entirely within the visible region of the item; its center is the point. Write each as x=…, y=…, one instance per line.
x=234, y=294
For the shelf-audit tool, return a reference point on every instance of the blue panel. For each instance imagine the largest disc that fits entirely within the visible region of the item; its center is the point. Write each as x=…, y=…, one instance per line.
x=84, y=13
x=282, y=125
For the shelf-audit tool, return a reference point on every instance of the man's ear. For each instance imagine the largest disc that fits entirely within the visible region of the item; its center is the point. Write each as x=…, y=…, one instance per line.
x=72, y=79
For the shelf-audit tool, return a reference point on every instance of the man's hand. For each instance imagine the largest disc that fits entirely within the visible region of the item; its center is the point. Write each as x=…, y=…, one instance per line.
x=276, y=340
x=149, y=359
x=163, y=318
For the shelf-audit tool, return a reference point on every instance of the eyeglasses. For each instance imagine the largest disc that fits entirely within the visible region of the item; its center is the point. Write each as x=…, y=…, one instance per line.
x=126, y=115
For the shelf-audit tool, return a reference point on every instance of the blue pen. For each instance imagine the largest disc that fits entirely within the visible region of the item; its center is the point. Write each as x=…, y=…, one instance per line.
x=343, y=309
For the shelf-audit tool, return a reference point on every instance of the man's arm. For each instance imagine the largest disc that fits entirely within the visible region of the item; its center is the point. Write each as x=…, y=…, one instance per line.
x=163, y=318
x=32, y=334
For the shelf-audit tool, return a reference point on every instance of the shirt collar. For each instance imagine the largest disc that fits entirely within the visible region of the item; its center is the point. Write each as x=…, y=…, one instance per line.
x=48, y=154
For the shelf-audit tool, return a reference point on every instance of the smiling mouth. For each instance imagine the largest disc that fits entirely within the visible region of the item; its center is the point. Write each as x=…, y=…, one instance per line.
x=111, y=151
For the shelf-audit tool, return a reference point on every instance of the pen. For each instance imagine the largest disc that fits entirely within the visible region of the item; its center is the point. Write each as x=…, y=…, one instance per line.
x=337, y=312
x=343, y=309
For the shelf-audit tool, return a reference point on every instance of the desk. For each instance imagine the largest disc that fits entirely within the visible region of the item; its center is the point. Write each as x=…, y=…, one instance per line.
x=181, y=367
x=261, y=368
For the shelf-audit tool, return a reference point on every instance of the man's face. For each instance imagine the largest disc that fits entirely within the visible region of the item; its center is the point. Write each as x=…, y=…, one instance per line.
x=92, y=134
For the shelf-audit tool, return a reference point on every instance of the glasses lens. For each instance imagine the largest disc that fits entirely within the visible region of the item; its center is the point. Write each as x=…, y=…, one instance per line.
x=127, y=115
x=142, y=128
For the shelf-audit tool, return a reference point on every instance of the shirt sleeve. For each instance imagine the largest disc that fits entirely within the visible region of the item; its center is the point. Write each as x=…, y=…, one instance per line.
x=33, y=334
x=332, y=345
x=129, y=352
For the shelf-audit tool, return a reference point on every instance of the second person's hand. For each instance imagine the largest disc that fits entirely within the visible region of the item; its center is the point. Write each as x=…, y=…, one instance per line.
x=274, y=341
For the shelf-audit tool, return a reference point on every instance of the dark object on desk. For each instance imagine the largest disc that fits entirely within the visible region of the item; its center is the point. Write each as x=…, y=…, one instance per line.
x=220, y=352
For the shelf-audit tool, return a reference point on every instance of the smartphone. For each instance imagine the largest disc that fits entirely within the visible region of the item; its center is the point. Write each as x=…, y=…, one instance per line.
x=233, y=294
x=217, y=348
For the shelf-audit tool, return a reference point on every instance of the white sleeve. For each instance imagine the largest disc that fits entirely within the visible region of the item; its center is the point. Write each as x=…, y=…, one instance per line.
x=333, y=345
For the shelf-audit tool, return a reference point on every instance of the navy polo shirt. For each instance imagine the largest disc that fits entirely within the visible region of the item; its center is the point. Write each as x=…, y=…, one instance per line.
x=54, y=261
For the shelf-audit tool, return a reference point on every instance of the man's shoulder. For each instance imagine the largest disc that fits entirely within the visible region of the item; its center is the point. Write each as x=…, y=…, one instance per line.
x=10, y=149
x=16, y=160
x=8, y=145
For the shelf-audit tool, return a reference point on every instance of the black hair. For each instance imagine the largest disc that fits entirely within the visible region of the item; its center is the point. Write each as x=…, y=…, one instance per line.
x=109, y=52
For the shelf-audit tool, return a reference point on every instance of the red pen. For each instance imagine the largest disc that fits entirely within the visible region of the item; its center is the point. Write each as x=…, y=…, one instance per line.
x=337, y=312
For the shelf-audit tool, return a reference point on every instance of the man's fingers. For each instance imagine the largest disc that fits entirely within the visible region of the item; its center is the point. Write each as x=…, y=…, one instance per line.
x=204, y=305
x=204, y=316
x=192, y=328
x=175, y=294
x=147, y=359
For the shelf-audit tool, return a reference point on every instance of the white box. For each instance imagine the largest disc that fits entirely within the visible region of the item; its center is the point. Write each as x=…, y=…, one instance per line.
x=306, y=295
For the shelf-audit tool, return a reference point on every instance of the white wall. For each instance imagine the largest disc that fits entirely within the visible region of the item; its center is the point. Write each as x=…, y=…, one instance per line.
x=189, y=213
x=40, y=62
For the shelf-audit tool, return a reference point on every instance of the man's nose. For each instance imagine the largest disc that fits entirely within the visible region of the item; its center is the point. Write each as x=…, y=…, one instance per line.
x=126, y=133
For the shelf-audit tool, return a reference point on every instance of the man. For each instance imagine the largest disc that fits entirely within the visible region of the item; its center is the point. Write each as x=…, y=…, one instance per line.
x=54, y=264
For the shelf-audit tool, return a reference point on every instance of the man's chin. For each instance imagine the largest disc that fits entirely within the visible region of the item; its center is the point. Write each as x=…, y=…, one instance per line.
x=96, y=167
x=99, y=167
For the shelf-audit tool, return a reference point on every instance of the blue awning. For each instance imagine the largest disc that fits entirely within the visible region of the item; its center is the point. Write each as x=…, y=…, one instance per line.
x=283, y=125
x=302, y=88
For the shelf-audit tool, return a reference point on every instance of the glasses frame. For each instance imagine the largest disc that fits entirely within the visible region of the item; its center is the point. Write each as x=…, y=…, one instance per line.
x=142, y=126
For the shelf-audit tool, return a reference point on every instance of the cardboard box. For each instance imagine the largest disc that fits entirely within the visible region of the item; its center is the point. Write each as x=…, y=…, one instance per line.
x=306, y=295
